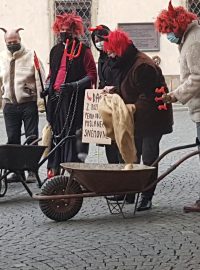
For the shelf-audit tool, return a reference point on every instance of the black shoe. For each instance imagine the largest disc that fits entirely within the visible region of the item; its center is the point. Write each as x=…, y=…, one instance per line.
x=31, y=178
x=144, y=204
x=13, y=178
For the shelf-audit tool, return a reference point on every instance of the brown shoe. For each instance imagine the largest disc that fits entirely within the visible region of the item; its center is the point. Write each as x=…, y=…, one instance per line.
x=192, y=208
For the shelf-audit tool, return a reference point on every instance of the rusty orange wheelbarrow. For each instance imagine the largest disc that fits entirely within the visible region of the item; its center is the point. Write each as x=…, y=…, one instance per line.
x=62, y=196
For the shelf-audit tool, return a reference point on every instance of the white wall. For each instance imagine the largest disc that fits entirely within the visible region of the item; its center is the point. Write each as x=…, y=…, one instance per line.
x=112, y=12
x=33, y=16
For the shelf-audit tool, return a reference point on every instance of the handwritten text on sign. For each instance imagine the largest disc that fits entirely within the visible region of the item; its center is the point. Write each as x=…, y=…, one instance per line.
x=93, y=128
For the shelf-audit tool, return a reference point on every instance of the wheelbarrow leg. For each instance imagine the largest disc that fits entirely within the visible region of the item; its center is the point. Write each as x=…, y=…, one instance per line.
x=136, y=202
x=22, y=179
x=116, y=207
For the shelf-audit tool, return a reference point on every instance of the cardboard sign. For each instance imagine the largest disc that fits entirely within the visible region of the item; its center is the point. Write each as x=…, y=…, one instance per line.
x=93, y=128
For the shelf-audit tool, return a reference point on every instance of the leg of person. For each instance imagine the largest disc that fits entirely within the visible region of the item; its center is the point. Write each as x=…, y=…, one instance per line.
x=31, y=120
x=130, y=198
x=13, y=123
x=150, y=152
x=112, y=153
x=196, y=206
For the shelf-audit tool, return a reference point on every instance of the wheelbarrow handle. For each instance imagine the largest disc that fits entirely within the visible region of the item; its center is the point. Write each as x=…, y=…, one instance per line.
x=172, y=168
x=181, y=147
x=54, y=149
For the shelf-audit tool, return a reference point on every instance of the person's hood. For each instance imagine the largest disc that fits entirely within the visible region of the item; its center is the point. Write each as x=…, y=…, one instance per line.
x=104, y=31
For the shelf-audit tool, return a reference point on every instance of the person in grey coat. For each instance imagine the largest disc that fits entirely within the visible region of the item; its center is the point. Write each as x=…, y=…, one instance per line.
x=182, y=28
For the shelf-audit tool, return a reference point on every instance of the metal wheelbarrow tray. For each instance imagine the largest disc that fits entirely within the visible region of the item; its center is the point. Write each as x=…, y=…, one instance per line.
x=17, y=159
x=110, y=178
x=61, y=197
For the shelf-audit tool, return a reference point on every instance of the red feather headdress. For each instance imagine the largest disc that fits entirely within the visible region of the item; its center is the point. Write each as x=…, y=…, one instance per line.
x=70, y=21
x=117, y=41
x=175, y=19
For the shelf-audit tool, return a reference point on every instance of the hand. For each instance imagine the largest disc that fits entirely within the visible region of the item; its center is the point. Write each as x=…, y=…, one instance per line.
x=65, y=86
x=169, y=98
x=108, y=90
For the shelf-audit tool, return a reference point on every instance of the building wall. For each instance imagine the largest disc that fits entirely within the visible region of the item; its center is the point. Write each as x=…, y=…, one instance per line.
x=36, y=17
x=132, y=11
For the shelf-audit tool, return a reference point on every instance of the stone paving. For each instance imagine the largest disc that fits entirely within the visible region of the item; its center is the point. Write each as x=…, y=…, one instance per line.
x=163, y=238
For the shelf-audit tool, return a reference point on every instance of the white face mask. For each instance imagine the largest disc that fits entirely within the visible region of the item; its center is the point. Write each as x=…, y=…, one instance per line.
x=99, y=45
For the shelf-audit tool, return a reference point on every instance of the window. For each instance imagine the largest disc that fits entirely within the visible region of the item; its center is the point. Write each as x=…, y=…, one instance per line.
x=82, y=8
x=194, y=6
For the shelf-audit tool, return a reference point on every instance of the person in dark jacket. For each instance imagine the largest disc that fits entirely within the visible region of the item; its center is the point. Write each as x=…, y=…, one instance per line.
x=72, y=70
x=105, y=79
x=105, y=75
x=136, y=78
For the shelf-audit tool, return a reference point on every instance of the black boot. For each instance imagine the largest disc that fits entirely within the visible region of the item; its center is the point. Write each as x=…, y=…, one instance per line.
x=31, y=177
x=144, y=204
x=13, y=178
x=130, y=198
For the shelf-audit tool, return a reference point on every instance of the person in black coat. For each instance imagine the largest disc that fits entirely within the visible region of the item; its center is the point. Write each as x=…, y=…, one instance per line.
x=136, y=79
x=68, y=79
x=107, y=78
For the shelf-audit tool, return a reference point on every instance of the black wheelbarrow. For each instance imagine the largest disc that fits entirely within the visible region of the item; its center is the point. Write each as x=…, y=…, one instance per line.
x=18, y=159
x=61, y=197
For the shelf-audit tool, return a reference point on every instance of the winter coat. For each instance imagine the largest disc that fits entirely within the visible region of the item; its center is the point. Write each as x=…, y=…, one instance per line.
x=104, y=62
x=188, y=92
x=137, y=77
x=27, y=86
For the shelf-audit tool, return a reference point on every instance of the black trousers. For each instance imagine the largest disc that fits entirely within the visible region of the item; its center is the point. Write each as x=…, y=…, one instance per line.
x=148, y=150
x=17, y=114
x=112, y=153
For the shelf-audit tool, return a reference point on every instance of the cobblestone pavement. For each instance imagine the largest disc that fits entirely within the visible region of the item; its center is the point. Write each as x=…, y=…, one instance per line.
x=163, y=238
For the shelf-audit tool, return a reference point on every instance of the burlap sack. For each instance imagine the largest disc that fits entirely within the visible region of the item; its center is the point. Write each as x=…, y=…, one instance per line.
x=119, y=123
x=46, y=138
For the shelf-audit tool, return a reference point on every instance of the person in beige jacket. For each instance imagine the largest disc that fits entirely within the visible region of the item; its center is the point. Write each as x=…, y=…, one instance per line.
x=20, y=87
x=182, y=28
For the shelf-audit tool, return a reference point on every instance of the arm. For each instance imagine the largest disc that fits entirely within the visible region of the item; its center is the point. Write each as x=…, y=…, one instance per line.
x=39, y=81
x=90, y=77
x=145, y=77
x=90, y=66
x=191, y=86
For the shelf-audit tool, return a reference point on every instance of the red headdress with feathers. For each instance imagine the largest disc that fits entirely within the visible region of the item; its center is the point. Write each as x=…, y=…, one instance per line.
x=117, y=41
x=175, y=19
x=70, y=21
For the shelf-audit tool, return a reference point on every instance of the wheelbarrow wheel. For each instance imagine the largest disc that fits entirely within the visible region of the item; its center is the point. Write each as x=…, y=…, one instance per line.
x=3, y=184
x=60, y=209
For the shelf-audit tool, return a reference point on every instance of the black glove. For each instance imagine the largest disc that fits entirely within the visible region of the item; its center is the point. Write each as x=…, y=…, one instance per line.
x=82, y=83
x=67, y=86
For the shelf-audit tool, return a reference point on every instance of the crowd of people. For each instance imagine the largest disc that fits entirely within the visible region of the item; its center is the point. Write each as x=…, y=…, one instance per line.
x=122, y=69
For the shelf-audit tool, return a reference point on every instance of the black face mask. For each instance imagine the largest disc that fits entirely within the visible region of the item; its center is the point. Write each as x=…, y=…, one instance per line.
x=64, y=36
x=13, y=47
